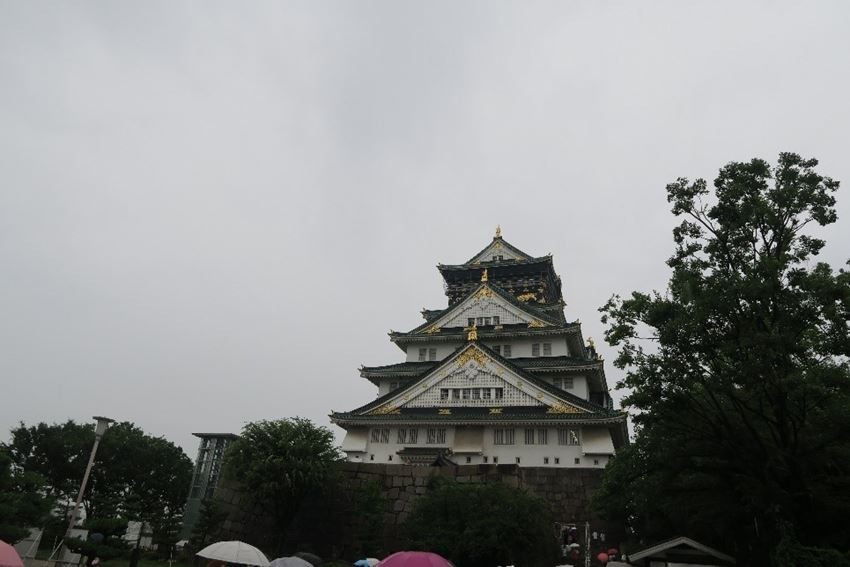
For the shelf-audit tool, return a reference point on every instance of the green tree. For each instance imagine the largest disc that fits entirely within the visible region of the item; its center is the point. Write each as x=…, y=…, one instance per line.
x=281, y=462
x=23, y=504
x=481, y=525
x=105, y=539
x=135, y=476
x=738, y=373
x=210, y=519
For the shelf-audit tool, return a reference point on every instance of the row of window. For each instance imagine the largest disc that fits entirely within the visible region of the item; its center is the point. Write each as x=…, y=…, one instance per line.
x=430, y=353
x=433, y=435
x=547, y=349
x=565, y=383
x=517, y=460
x=483, y=321
x=472, y=393
x=501, y=436
x=504, y=350
x=507, y=436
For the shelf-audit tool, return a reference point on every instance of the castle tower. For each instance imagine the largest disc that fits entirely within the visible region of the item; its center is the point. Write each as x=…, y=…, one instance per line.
x=499, y=376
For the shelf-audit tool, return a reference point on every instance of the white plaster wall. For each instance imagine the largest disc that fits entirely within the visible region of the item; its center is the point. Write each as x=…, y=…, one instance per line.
x=443, y=350
x=520, y=348
x=529, y=455
x=579, y=385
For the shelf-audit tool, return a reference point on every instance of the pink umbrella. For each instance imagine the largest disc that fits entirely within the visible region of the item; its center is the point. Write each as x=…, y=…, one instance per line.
x=8, y=556
x=415, y=559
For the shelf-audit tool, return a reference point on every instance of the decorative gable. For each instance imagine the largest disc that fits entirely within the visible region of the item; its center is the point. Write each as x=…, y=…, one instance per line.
x=499, y=251
x=473, y=378
x=488, y=304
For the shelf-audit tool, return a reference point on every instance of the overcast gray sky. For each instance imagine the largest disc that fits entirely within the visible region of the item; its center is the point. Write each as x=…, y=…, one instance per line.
x=213, y=212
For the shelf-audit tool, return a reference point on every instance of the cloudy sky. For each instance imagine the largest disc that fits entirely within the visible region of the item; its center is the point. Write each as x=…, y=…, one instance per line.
x=213, y=212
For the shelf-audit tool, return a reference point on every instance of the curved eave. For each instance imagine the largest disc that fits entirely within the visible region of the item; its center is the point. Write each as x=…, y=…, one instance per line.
x=343, y=419
x=500, y=264
x=483, y=334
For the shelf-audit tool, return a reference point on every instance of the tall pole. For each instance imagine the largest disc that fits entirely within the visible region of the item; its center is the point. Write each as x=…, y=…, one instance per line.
x=587, y=544
x=100, y=428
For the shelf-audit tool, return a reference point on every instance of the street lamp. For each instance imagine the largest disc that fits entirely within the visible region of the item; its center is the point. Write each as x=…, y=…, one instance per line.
x=99, y=430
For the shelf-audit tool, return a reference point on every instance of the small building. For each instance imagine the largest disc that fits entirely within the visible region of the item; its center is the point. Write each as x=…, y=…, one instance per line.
x=680, y=552
x=499, y=376
x=205, y=476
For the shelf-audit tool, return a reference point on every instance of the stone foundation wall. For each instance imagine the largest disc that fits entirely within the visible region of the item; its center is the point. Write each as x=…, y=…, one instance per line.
x=567, y=491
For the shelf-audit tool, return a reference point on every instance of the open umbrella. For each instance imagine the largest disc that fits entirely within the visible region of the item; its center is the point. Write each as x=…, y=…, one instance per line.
x=8, y=556
x=368, y=562
x=235, y=552
x=309, y=558
x=415, y=559
x=290, y=562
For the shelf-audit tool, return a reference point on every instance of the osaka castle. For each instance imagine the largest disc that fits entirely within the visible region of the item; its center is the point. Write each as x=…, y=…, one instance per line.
x=499, y=376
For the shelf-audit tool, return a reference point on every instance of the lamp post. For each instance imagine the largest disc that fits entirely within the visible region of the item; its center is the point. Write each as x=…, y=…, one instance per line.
x=99, y=430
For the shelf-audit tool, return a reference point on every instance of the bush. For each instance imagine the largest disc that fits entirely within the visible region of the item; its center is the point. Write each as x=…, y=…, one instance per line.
x=481, y=525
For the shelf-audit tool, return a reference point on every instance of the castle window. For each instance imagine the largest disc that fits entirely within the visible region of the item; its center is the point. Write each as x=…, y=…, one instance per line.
x=393, y=386
x=485, y=394
x=567, y=383
x=476, y=393
x=470, y=322
x=444, y=393
x=469, y=459
x=503, y=436
x=498, y=393
x=422, y=353
x=542, y=437
x=436, y=435
x=506, y=351
x=535, y=349
x=486, y=321
x=578, y=461
x=557, y=460
x=498, y=349
x=496, y=320
x=371, y=457
x=381, y=435
x=517, y=460
x=412, y=436
x=595, y=461
x=466, y=393
x=529, y=437
x=432, y=354
x=401, y=437
x=568, y=436
x=485, y=458
x=545, y=460
x=390, y=458
x=456, y=394
x=495, y=460
x=547, y=349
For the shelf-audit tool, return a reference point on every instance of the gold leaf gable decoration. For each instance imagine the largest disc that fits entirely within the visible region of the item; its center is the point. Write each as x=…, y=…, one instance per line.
x=385, y=410
x=536, y=323
x=483, y=293
x=472, y=354
x=560, y=407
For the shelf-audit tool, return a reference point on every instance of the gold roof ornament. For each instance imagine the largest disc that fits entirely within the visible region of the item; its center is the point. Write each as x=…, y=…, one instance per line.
x=484, y=276
x=472, y=335
x=590, y=342
x=498, y=231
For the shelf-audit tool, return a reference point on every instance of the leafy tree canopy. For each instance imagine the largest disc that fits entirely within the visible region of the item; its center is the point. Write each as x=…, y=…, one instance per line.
x=23, y=504
x=481, y=525
x=738, y=373
x=281, y=462
x=135, y=475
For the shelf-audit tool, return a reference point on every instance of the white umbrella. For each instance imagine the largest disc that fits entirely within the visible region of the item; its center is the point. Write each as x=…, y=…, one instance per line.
x=290, y=562
x=235, y=552
x=372, y=561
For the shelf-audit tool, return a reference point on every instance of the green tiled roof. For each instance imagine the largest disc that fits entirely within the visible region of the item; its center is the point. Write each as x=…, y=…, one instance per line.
x=509, y=413
x=507, y=245
x=563, y=395
x=549, y=315
x=537, y=363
